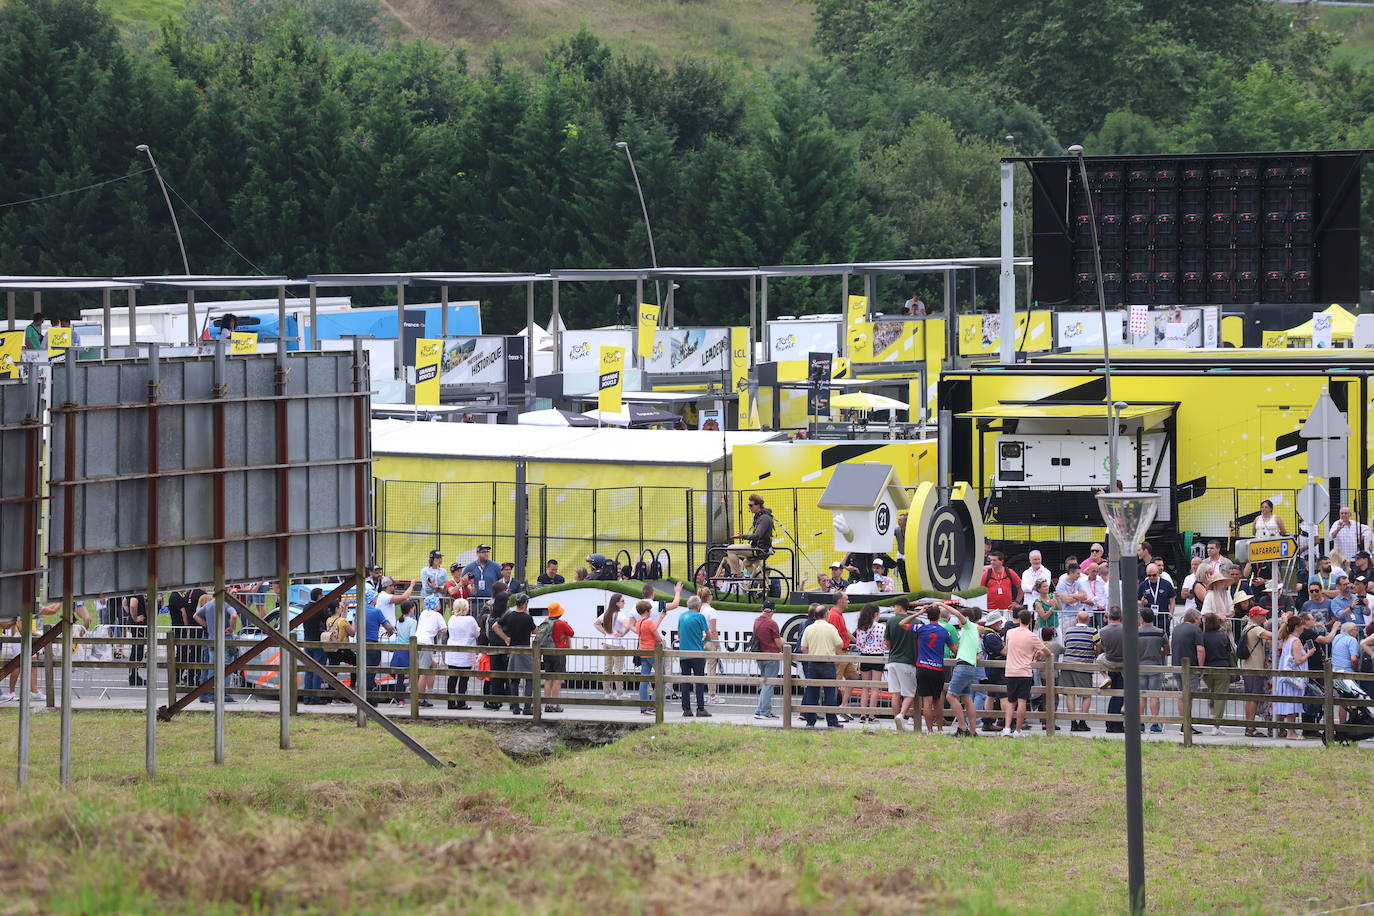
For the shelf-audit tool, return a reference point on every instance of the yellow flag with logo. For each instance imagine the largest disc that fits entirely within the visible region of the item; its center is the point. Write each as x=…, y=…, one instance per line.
x=59, y=340
x=861, y=341
x=1275, y=340
x=611, y=383
x=739, y=361
x=858, y=310
x=243, y=344
x=11, y=352
x=648, y=327
x=428, y=355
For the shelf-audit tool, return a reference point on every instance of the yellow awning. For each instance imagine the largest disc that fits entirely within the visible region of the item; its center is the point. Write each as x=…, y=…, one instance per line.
x=1342, y=324
x=1150, y=415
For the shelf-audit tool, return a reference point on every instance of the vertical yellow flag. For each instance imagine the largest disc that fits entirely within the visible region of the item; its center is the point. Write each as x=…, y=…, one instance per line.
x=428, y=354
x=648, y=327
x=858, y=310
x=243, y=343
x=11, y=352
x=59, y=340
x=739, y=362
x=611, y=383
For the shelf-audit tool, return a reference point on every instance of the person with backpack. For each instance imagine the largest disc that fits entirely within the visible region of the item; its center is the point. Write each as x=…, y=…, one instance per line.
x=1003, y=584
x=1251, y=652
x=495, y=687
x=559, y=637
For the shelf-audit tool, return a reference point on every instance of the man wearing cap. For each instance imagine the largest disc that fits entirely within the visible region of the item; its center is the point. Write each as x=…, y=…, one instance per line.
x=1255, y=637
x=881, y=581
x=561, y=634
x=770, y=640
x=835, y=580
x=374, y=578
x=484, y=572
x=514, y=629
x=387, y=599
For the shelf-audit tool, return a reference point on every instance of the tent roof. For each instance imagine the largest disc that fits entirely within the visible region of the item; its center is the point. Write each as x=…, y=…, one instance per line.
x=543, y=443
x=1342, y=323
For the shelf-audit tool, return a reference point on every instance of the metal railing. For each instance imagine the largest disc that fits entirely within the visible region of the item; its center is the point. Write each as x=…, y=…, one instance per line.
x=1177, y=700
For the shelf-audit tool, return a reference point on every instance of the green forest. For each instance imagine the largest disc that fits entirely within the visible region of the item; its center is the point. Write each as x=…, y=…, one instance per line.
x=301, y=136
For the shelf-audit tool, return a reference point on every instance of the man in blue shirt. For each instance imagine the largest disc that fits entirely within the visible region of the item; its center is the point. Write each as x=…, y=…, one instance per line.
x=210, y=618
x=932, y=639
x=691, y=637
x=483, y=571
x=374, y=621
x=1341, y=601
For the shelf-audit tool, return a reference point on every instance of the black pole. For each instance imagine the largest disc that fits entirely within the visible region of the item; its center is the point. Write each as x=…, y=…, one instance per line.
x=1130, y=673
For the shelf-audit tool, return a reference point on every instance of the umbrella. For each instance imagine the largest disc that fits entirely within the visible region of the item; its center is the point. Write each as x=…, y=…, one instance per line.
x=633, y=415
x=553, y=418
x=862, y=400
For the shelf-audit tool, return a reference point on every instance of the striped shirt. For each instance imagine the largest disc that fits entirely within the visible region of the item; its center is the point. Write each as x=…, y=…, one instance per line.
x=1080, y=644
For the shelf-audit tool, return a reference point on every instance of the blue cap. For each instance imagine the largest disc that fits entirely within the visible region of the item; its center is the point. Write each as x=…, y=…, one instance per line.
x=370, y=596
x=432, y=603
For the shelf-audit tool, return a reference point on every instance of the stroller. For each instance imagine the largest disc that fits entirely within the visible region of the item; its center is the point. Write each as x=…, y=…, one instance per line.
x=1345, y=689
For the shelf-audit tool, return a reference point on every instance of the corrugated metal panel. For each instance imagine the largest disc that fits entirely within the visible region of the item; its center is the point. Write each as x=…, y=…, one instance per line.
x=110, y=516
x=19, y=476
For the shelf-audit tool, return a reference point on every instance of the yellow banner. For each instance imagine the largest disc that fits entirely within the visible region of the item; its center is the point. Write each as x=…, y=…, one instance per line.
x=858, y=310
x=648, y=326
x=243, y=344
x=739, y=363
x=1275, y=340
x=59, y=339
x=611, y=383
x=428, y=354
x=11, y=351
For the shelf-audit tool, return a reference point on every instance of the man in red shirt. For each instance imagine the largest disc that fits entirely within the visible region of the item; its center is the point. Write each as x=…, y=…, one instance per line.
x=1003, y=584
x=844, y=671
x=770, y=640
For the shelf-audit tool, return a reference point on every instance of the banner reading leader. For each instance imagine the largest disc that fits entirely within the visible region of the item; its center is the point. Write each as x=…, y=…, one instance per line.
x=612, y=380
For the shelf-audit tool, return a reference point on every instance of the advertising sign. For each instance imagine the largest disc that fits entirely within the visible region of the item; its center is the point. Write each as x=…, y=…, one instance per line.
x=793, y=339
x=1211, y=327
x=243, y=344
x=648, y=325
x=739, y=361
x=581, y=349
x=1321, y=330
x=473, y=361
x=428, y=354
x=689, y=350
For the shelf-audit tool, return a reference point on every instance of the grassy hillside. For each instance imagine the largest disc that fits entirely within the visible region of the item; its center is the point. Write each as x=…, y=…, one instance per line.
x=755, y=31
x=1356, y=26
x=676, y=819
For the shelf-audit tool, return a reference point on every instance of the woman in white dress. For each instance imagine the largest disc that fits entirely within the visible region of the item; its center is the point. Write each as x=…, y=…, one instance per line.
x=614, y=624
x=462, y=631
x=1292, y=657
x=1267, y=524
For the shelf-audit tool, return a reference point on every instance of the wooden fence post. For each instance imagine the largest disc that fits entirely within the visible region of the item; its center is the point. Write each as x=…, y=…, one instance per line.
x=414, y=675
x=1328, y=705
x=787, y=685
x=172, y=672
x=1051, y=698
x=659, y=698
x=537, y=682
x=1186, y=701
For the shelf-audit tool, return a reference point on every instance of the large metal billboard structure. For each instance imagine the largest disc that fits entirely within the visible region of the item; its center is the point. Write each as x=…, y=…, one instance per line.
x=21, y=438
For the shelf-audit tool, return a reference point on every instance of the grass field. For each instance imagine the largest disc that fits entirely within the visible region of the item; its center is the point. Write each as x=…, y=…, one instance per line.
x=1356, y=28
x=670, y=820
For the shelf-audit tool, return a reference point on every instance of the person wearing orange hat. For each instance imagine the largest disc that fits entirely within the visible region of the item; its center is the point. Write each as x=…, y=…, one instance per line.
x=561, y=635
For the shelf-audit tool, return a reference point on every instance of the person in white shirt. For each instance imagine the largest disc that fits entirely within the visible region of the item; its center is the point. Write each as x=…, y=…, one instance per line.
x=1189, y=602
x=615, y=624
x=387, y=599
x=1031, y=577
x=427, y=632
x=712, y=642
x=462, y=631
x=1094, y=585
x=1347, y=535
x=1267, y=524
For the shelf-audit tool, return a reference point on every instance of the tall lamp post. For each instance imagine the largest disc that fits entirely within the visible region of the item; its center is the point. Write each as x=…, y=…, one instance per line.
x=1128, y=517
x=143, y=148
x=653, y=255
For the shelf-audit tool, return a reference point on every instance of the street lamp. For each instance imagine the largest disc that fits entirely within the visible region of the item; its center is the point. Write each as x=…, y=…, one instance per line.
x=1128, y=517
x=653, y=255
x=143, y=148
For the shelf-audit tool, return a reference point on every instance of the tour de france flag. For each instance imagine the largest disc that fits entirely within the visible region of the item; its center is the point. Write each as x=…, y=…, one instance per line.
x=648, y=328
x=428, y=354
x=11, y=352
x=612, y=381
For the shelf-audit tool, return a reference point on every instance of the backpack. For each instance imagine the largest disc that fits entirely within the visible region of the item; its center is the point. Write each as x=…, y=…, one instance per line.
x=1243, y=647
x=543, y=635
